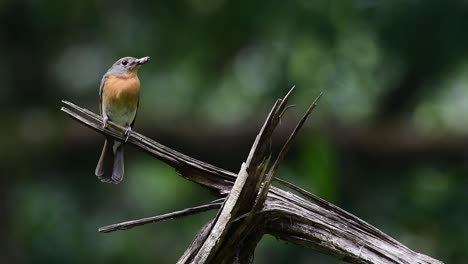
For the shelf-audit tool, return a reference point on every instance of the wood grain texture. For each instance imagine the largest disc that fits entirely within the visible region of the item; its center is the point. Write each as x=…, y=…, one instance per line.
x=303, y=218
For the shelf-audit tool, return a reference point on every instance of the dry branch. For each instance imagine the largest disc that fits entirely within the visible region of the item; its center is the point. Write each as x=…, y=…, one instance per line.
x=246, y=214
x=154, y=219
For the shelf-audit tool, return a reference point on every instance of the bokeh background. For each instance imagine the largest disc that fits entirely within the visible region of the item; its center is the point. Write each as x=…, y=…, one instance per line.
x=388, y=142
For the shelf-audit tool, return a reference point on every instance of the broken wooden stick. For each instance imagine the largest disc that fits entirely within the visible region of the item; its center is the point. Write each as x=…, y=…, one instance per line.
x=252, y=207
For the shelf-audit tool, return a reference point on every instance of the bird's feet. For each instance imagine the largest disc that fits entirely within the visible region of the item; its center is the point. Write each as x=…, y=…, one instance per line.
x=127, y=133
x=104, y=121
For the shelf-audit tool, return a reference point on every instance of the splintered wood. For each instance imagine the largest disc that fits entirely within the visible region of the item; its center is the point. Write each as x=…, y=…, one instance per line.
x=251, y=207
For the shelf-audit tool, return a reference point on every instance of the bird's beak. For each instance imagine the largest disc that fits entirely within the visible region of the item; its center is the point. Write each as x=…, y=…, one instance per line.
x=143, y=60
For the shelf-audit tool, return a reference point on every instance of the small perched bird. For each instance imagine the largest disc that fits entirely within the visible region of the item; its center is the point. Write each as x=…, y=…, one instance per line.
x=119, y=95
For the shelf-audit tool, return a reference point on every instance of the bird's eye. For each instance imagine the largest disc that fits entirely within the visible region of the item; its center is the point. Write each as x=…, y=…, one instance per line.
x=124, y=62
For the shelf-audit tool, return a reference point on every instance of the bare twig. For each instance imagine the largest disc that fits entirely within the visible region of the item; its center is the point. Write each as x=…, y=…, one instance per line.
x=284, y=150
x=153, y=219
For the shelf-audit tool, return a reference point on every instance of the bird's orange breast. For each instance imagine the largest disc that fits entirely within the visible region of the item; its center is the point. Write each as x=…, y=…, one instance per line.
x=121, y=91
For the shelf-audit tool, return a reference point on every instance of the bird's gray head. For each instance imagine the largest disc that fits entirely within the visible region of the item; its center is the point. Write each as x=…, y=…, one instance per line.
x=127, y=65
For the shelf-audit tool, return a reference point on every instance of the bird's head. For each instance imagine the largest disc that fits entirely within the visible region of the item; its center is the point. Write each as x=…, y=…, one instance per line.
x=127, y=65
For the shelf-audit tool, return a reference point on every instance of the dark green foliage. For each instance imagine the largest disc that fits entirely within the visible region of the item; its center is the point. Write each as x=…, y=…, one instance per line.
x=387, y=142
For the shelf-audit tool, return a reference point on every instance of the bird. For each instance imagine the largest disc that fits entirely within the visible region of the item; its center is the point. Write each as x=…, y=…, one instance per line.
x=119, y=96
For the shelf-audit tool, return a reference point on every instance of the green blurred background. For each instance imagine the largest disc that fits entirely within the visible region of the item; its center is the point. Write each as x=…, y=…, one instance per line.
x=388, y=142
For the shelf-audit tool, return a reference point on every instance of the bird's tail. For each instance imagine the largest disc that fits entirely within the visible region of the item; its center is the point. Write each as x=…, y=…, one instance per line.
x=110, y=167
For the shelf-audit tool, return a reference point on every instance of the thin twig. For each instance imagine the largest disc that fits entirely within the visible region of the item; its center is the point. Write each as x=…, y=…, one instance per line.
x=270, y=175
x=153, y=219
x=285, y=110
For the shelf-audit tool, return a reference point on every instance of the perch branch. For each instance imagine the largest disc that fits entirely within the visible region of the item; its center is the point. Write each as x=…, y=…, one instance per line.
x=313, y=223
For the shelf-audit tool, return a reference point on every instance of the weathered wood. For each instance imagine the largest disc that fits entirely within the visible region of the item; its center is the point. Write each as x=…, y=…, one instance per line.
x=209, y=248
x=313, y=223
x=242, y=199
x=154, y=219
x=248, y=232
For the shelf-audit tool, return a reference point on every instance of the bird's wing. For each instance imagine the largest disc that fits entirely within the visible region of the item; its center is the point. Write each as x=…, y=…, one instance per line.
x=136, y=112
x=101, y=88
